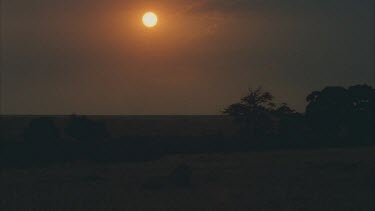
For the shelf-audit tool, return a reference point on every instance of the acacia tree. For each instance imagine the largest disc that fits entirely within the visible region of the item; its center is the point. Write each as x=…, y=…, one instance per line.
x=254, y=112
x=255, y=101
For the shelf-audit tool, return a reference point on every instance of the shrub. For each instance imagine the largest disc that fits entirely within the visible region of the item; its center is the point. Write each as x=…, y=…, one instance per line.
x=83, y=129
x=41, y=129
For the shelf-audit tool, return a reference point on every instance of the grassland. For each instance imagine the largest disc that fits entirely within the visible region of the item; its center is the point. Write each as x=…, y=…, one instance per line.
x=325, y=179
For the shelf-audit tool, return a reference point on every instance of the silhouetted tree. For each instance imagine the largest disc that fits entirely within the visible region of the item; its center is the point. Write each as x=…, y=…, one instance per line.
x=84, y=129
x=284, y=110
x=41, y=130
x=254, y=111
x=336, y=111
x=256, y=101
x=326, y=110
x=361, y=121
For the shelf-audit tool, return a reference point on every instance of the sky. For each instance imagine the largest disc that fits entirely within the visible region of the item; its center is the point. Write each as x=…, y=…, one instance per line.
x=96, y=57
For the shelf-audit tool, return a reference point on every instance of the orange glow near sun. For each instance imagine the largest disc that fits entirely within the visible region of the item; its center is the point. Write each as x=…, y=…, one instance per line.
x=150, y=19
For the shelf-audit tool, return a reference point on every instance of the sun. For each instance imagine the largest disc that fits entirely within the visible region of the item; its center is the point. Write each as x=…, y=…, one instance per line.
x=150, y=19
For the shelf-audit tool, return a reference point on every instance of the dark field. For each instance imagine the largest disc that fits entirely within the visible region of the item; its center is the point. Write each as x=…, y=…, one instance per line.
x=330, y=179
x=135, y=169
x=12, y=127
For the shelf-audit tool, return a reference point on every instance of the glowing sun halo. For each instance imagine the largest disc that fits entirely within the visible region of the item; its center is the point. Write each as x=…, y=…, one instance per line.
x=150, y=19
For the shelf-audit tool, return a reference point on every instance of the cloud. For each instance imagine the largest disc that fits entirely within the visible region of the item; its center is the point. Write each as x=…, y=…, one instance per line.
x=279, y=7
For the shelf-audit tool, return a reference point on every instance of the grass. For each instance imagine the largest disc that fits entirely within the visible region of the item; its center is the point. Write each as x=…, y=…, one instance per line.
x=325, y=179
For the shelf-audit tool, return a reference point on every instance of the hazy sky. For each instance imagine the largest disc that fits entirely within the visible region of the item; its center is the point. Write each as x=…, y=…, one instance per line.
x=96, y=57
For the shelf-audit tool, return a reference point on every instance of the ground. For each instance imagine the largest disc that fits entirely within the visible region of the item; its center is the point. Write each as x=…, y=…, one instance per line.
x=326, y=179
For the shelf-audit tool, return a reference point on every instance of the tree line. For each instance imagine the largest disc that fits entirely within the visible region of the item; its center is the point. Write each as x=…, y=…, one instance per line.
x=332, y=114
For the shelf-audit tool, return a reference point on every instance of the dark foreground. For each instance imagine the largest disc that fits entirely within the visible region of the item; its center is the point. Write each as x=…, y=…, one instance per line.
x=322, y=179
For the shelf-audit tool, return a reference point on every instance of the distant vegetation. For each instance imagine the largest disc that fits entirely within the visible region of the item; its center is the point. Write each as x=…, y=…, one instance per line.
x=82, y=128
x=346, y=113
x=42, y=129
x=335, y=116
x=258, y=114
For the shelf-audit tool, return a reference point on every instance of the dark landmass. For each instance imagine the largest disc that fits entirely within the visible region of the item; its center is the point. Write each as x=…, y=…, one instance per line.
x=290, y=180
x=259, y=156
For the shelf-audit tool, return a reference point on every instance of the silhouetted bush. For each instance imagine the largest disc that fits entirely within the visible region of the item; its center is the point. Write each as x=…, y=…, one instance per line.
x=41, y=130
x=83, y=129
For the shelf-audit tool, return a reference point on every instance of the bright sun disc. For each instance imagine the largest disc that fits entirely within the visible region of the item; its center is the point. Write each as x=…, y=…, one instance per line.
x=150, y=19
